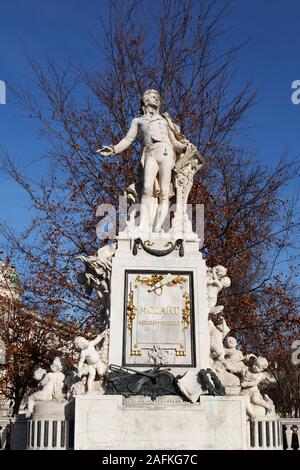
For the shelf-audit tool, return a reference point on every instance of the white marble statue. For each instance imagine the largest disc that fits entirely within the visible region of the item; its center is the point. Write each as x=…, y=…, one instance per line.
x=216, y=279
x=75, y=385
x=218, y=330
x=98, y=272
x=91, y=362
x=163, y=146
x=51, y=383
x=252, y=372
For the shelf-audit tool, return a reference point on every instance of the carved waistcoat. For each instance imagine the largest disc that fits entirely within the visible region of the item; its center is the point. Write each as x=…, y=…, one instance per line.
x=150, y=130
x=154, y=130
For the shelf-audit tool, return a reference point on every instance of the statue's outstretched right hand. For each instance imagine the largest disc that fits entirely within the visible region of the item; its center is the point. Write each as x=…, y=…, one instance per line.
x=106, y=150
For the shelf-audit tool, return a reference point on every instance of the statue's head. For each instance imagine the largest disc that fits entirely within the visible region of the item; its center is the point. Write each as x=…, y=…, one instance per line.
x=150, y=98
x=221, y=271
x=259, y=364
x=81, y=343
x=230, y=342
x=39, y=374
x=58, y=364
x=226, y=282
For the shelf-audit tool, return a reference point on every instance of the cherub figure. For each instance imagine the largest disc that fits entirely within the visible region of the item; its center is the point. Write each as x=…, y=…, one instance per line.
x=75, y=385
x=52, y=384
x=218, y=329
x=233, y=356
x=251, y=374
x=217, y=280
x=90, y=361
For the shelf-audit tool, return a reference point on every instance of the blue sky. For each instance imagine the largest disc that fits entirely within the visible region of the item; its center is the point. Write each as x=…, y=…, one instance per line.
x=60, y=29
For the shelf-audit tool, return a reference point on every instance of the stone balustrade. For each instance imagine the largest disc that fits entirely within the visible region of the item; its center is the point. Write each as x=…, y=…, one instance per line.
x=50, y=434
x=290, y=433
x=4, y=432
x=264, y=433
x=51, y=427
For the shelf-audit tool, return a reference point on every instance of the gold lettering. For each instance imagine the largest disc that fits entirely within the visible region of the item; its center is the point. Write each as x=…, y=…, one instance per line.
x=159, y=310
x=159, y=322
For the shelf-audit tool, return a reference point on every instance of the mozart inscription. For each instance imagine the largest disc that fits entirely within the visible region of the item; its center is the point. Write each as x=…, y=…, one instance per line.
x=159, y=319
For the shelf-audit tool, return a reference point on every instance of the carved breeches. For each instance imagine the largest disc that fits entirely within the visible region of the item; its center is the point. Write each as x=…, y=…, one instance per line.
x=159, y=159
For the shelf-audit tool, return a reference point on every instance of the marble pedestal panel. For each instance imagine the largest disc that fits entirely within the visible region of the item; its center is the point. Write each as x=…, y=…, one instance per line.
x=167, y=326
x=113, y=422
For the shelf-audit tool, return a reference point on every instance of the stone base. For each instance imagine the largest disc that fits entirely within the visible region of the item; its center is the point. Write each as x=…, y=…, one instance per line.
x=51, y=426
x=113, y=422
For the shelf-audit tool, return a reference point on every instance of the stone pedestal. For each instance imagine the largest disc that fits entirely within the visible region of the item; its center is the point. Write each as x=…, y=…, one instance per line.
x=51, y=426
x=152, y=325
x=113, y=422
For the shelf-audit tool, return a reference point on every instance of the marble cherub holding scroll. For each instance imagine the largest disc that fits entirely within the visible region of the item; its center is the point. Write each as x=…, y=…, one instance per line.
x=163, y=146
x=51, y=384
x=91, y=362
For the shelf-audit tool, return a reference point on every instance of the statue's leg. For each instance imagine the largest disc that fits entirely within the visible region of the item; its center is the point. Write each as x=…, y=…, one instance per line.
x=165, y=172
x=150, y=172
x=91, y=378
x=257, y=399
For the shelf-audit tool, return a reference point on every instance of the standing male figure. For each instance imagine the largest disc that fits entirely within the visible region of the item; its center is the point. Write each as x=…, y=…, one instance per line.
x=161, y=139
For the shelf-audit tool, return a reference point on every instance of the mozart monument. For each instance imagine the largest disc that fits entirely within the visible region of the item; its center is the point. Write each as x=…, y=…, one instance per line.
x=165, y=373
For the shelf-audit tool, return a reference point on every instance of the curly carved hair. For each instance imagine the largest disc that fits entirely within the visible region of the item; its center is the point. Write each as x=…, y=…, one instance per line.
x=144, y=98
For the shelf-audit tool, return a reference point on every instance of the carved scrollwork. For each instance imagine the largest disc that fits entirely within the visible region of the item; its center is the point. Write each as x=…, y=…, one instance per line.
x=186, y=311
x=131, y=311
x=138, y=243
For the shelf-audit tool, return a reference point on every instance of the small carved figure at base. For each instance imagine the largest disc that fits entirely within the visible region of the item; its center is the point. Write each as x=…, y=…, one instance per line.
x=90, y=362
x=157, y=355
x=233, y=356
x=218, y=329
x=52, y=384
x=251, y=374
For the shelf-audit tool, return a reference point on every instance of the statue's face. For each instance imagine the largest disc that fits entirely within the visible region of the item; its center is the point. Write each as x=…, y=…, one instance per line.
x=231, y=342
x=55, y=366
x=221, y=271
x=152, y=98
x=226, y=281
x=259, y=365
x=256, y=368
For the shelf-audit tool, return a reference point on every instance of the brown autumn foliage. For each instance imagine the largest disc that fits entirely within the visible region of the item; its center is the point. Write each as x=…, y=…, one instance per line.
x=30, y=339
x=249, y=220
